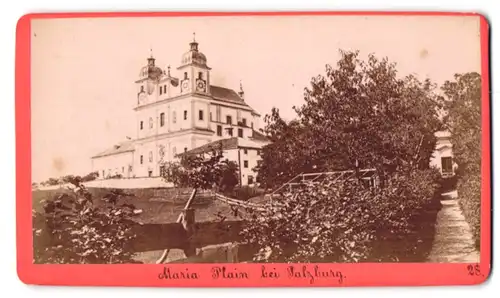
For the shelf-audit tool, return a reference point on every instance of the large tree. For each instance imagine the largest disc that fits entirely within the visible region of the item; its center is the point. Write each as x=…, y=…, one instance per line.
x=209, y=170
x=358, y=114
x=463, y=120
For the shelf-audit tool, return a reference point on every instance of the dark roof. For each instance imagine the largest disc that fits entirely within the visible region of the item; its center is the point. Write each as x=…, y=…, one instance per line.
x=127, y=146
x=224, y=144
x=229, y=96
x=259, y=136
x=226, y=94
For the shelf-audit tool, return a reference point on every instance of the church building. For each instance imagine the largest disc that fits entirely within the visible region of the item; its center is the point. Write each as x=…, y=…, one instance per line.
x=181, y=112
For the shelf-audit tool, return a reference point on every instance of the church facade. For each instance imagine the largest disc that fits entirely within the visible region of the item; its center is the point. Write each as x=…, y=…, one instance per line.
x=184, y=112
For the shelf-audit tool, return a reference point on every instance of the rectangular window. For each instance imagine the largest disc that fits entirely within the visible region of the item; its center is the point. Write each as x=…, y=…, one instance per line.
x=163, y=171
x=150, y=173
x=141, y=159
x=174, y=117
x=240, y=132
x=250, y=179
x=142, y=125
x=244, y=122
x=211, y=119
x=185, y=115
x=185, y=149
x=230, y=132
x=161, y=90
x=200, y=75
x=200, y=114
x=217, y=114
x=245, y=164
x=219, y=130
x=245, y=151
x=229, y=120
x=446, y=165
x=251, y=125
x=238, y=116
x=162, y=119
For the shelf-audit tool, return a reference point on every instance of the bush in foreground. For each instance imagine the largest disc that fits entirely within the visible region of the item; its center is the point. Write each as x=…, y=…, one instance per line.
x=73, y=229
x=344, y=221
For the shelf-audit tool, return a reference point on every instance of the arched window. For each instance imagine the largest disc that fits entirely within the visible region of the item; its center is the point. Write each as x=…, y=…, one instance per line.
x=162, y=119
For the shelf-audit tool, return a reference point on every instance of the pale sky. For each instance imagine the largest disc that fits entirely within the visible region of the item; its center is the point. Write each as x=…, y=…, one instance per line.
x=83, y=70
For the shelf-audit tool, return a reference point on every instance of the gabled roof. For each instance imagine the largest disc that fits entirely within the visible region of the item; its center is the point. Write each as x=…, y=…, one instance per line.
x=228, y=95
x=127, y=146
x=259, y=136
x=224, y=144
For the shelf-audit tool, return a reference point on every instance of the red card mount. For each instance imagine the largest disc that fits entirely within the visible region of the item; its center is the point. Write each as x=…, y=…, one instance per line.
x=364, y=186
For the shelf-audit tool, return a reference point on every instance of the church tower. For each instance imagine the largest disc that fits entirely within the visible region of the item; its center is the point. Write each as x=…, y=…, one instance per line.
x=195, y=74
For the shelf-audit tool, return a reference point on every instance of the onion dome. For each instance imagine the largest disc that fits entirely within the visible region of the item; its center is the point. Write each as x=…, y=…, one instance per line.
x=151, y=71
x=194, y=56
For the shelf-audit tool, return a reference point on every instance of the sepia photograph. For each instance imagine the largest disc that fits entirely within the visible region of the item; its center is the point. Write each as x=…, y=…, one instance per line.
x=256, y=139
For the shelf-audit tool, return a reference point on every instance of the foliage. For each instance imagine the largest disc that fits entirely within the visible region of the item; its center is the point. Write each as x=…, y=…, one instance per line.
x=357, y=114
x=90, y=176
x=337, y=221
x=463, y=119
x=115, y=176
x=76, y=228
x=204, y=171
x=469, y=191
x=70, y=178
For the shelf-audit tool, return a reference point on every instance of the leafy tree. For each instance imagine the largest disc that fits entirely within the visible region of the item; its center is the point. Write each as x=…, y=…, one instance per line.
x=463, y=119
x=202, y=171
x=53, y=181
x=90, y=176
x=359, y=114
x=76, y=228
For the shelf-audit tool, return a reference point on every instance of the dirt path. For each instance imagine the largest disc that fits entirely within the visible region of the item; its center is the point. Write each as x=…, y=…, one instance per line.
x=453, y=242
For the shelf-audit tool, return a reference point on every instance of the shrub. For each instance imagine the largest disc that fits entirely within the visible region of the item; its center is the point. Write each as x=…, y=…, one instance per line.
x=469, y=191
x=74, y=228
x=343, y=221
x=203, y=171
x=464, y=122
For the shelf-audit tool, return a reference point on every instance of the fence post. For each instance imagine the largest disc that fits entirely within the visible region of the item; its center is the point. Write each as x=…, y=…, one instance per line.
x=188, y=223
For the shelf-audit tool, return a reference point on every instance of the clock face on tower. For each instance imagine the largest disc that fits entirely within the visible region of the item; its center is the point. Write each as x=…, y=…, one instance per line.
x=185, y=85
x=201, y=86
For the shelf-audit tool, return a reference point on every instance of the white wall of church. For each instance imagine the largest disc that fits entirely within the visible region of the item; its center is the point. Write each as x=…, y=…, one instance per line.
x=201, y=113
x=150, y=152
x=111, y=165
